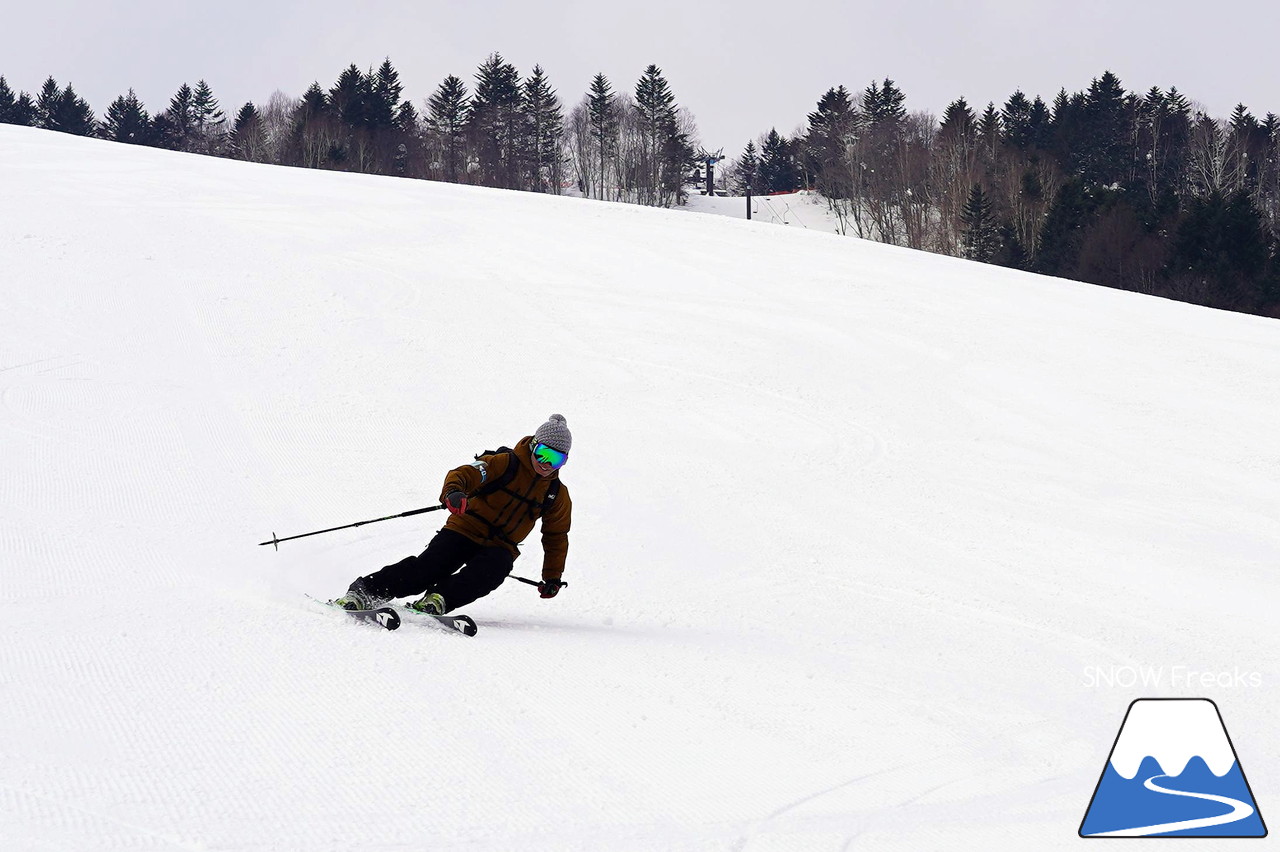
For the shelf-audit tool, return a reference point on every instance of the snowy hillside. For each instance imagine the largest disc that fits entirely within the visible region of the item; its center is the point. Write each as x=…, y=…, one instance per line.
x=856, y=528
x=803, y=210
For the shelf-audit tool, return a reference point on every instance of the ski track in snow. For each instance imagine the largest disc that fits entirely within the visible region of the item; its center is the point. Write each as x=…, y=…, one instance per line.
x=850, y=521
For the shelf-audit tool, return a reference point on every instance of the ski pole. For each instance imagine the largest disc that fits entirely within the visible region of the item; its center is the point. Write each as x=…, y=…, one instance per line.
x=531, y=582
x=276, y=541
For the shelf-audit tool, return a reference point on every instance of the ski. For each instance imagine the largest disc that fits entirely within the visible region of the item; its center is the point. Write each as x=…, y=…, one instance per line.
x=384, y=616
x=460, y=623
x=388, y=618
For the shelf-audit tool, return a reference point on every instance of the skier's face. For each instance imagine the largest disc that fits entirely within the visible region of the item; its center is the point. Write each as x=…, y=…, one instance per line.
x=544, y=463
x=541, y=468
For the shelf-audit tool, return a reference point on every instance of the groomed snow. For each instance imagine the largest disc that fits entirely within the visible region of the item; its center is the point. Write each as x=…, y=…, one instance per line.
x=852, y=523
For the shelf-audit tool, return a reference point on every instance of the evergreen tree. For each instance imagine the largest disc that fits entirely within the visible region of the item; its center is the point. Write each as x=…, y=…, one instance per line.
x=1101, y=152
x=602, y=121
x=1242, y=121
x=884, y=105
x=1270, y=127
x=450, y=110
x=407, y=160
x=831, y=102
x=384, y=97
x=833, y=130
x=1170, y=138
x=248, y=138
x=1178, y=103
x=655, y=109
x=989, y=132
x=778, y=171
x=1249, y=143
x=127, y=121
x=1041, y=122
x=407, y=119
x=747, y=173
x=495, y=123
x=352, y=144
x=1062, y=235
x=1066, y=129
x=886, y=190
x=835, y=118
x=209, y=120
x=314, y=102
x=316, y=138
x=680, y=157
x=48, y=102
x=17, y=109
x=1012, y=253
x=8, y=102
x=664, y=155
x=981, y=231
x=1016, y=118
x=178, y=130
x=23, y=112
x=959, y=127
x=350, y=97
x=63, y=110
x=544, y=117
x=1221, y=246
x=384, y=142
x=163, y=132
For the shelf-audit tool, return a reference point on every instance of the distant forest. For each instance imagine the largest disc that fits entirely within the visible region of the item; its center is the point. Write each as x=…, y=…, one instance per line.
x=1139, y=192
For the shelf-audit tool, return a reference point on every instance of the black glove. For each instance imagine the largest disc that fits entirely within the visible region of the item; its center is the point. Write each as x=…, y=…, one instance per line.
x=550, y=588
x=455, y=502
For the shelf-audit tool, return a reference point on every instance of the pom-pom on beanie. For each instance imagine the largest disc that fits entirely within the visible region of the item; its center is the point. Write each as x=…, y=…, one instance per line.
x=554, y=433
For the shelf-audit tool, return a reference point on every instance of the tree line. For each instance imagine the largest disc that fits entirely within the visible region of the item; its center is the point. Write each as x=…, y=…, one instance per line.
x=1141, y=192
x=506, y=131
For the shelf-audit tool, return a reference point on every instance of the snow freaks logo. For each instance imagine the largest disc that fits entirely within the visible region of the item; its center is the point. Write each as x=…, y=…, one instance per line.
x=1174, y=677
x=1173, y=772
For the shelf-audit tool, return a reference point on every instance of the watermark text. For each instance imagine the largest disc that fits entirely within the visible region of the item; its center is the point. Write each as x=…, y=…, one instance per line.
x=1171, y=677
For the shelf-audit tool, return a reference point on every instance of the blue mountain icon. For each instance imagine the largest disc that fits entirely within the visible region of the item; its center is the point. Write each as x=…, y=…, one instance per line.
x=1173, y=772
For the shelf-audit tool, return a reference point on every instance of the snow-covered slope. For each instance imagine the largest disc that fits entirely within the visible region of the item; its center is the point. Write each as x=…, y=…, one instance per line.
x=803, y=210
x=855, y=526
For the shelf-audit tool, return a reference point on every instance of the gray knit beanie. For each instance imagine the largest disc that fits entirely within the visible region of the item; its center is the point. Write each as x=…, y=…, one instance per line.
x=554, y=433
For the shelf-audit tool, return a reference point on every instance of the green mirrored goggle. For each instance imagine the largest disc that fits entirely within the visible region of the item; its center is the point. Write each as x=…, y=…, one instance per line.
x=549, y=455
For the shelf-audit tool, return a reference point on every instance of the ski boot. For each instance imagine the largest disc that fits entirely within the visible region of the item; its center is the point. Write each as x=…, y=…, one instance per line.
x=431, y=603
x=358, y=597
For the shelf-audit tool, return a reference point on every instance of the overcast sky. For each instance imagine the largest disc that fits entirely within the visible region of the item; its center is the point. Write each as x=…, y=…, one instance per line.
x=740, y=67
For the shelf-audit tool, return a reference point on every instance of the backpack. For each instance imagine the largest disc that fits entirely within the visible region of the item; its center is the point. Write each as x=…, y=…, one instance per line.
x=500, y=482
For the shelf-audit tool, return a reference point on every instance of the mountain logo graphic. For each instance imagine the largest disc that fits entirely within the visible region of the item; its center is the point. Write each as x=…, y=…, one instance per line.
x=1173, y=772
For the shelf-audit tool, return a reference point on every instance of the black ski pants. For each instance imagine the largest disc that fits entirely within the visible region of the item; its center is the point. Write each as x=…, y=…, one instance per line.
x=452, y=565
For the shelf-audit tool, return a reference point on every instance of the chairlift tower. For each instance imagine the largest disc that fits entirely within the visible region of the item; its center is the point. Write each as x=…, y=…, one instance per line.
x=710, y=160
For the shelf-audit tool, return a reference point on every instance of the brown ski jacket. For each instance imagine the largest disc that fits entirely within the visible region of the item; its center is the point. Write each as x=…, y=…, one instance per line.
x=505, y=517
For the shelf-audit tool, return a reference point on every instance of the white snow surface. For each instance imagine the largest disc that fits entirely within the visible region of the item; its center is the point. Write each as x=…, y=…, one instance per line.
x=851, y=522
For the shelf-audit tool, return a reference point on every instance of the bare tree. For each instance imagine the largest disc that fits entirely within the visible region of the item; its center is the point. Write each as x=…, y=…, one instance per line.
x=915, y=150
x=955, y=166
x=1028, y=183
x=582, y=151
x=623, y=173
x=277, y=126
x=1212, y=159
x=1269, y=179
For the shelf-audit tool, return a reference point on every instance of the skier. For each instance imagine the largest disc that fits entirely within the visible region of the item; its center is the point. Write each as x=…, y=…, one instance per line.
x=493, y=504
